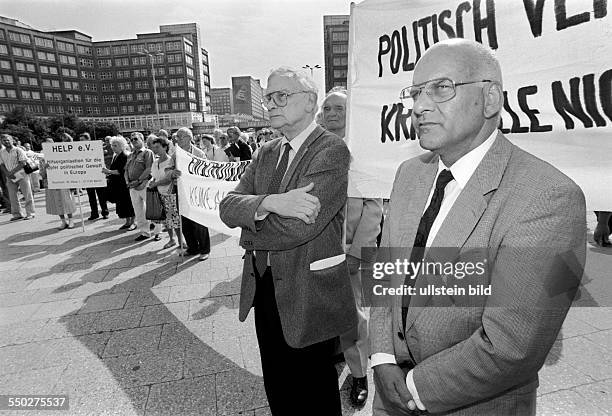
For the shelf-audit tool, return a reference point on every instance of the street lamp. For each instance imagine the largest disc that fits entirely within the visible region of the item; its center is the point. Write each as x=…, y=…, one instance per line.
x=151, y=55
x=312, y=68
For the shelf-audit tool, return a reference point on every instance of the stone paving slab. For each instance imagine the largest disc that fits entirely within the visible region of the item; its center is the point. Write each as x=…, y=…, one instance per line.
x=129, y=328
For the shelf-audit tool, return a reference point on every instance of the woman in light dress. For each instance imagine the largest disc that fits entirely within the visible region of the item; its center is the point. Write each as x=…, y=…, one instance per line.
x=58, y=201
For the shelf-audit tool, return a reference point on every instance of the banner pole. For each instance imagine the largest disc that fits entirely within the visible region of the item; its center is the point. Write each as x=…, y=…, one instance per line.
x=81, y=209
x=180, y=230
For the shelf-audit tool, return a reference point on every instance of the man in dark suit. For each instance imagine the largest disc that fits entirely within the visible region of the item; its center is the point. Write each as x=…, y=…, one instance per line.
x=488, y=194
x=289, y=204
x=237, y=148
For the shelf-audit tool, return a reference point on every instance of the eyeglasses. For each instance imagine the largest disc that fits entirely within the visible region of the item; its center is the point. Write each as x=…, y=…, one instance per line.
x=279, y=98
x=439, y=89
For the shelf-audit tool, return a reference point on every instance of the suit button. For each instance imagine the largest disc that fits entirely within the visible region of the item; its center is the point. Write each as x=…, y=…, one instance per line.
x=400, y=335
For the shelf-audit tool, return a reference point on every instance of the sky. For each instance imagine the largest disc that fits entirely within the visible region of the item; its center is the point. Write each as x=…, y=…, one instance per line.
x=243, y=37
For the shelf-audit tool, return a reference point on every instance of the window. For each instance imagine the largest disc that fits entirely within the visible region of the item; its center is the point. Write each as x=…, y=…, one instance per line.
x=137, y=48
x=155, y=47
x=160, y=83
x=163, y=106
x=84, y=50
x=141, y=85
x=27, y=53
x=122, y=61
x=140, y=73
x=64, y=46
x=45, y=56
x=158, y=59
x=28, y=81
x=25, y=67
x=103, y=51
x=6, y=65
x=86, y=62
x=2, y=34
x=161, y=95
x=192, y=95
x=175, y=58
x=120, y=50
x=33, y=108
x=108, y=87
x=144, y=108
x=111, y=110
x=204, y=58
x=108, y=99
x=105, y=63
x=193, y=106
x=340, y=61
x=7, y=79
x=125, y=86
x=3, y=50
x=70, y=72
x=341, y=48
x=35, y=95
x=50, y=83
x=90, y=87
x=139, y=60
x=340, y=36
x=189, y=72
x=339, y=73
x=106, y=75
x=8, y=93
x=176, y=82
x=141, y=96
x=191, y=83
x=177, y=94
x=73, y=98
x=189, y=60
x=19, y=37
x=160, y=71
x=88, y=75
x=173, y=46
x=70, y=85
x=123, y=74
x=65, y=59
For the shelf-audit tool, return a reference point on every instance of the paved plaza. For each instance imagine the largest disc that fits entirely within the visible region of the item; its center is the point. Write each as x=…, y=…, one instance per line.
x=126, y=328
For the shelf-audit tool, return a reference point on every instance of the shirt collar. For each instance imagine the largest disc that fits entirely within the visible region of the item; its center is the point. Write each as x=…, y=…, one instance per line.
x=299, y=140
x=464, y=168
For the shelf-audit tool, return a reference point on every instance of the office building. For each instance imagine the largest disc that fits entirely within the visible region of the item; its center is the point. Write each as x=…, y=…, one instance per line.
x=335, y=39
x=51, y=73
x=221, y=101
x=247, y=97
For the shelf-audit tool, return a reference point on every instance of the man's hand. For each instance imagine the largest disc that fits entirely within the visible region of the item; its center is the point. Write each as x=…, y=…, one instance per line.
x=297, y=203
x=391, y=384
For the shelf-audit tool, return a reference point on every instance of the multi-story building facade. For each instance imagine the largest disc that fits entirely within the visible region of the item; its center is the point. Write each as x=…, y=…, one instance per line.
x=248, y=96
x=335, y=38
x=52, y=73
x=221, y=101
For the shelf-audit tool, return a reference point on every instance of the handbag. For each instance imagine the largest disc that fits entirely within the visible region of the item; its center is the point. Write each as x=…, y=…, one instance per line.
x=30, y=166
x=155, y=207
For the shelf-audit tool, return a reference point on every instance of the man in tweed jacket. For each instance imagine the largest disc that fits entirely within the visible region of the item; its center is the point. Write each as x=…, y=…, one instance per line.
x=483, y=359
x=289, y=204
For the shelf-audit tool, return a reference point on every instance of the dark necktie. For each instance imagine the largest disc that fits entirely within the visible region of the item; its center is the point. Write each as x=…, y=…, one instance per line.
x=261, y=258
x=420, y=240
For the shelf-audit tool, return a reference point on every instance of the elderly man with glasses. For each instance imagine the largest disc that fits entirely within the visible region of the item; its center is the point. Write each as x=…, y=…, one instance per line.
x=289, y=204
x=474, y=191
x=137, y=175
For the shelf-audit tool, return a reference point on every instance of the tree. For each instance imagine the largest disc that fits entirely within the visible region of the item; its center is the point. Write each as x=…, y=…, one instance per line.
x=23, y=126
x=97, y=130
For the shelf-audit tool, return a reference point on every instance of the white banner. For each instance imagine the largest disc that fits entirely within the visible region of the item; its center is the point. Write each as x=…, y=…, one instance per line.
x=557, y=68
x=202, y=185
x=74, y=164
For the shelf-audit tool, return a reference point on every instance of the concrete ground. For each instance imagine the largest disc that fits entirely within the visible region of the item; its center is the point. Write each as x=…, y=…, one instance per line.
x=126, y=328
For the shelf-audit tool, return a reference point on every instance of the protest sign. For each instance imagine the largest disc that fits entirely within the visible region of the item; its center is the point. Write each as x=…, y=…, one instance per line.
x=555, y=59
x=202, y=185
x=74, y=164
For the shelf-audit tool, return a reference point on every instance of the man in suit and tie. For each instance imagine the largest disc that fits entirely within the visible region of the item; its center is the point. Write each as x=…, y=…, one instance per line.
x=474, y=189
x=289, y=204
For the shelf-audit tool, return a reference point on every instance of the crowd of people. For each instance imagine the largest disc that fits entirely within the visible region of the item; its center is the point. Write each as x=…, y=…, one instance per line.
x=304, y=239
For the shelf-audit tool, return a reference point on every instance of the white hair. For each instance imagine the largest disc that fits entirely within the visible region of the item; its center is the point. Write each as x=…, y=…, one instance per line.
x=120, y=140
x=302, y=78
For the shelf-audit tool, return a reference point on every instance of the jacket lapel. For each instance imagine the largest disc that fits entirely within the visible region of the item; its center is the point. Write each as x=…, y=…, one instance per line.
x=316, y=133
x=268, y=166
x=468, y=208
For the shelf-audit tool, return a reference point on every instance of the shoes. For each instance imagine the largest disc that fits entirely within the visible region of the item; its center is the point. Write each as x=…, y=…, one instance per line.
x=157, y=237
x=105, y=216
x=70, y=226
x=141, y=237
x=359, y=391
x=131, y=227
x=29, y=217
x=93, y=217
x=17, y=218
x=124, y=226
x=189, y=253
x=63, y=227
x=203, y=257
x=169, y=244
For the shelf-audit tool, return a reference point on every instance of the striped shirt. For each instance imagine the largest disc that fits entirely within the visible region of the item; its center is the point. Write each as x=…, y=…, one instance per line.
x=10, y=159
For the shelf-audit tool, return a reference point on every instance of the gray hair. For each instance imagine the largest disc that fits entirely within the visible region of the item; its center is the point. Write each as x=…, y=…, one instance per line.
x=302, y=78
x=163, y=133
x=119, y=140
x=184, y=131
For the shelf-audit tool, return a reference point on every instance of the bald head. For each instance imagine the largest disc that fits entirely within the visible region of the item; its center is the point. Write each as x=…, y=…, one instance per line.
x=458, y=98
